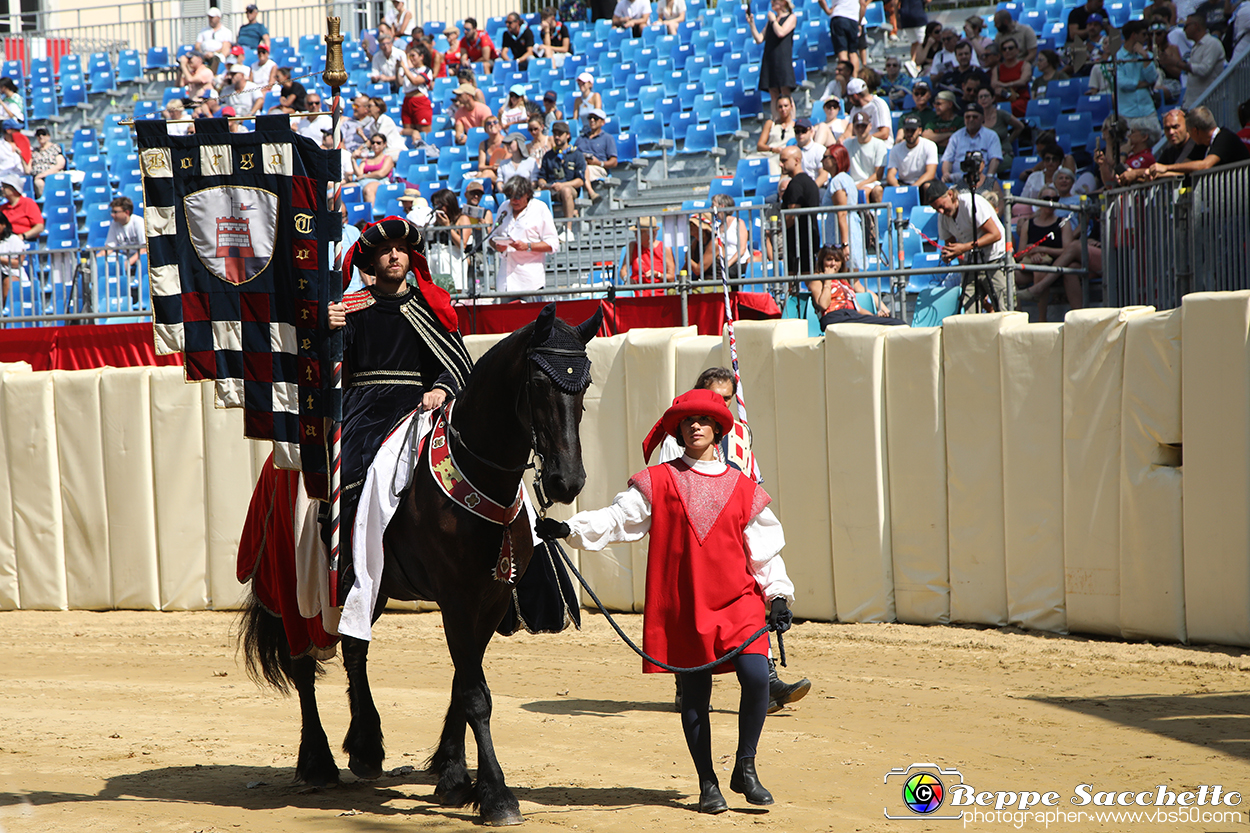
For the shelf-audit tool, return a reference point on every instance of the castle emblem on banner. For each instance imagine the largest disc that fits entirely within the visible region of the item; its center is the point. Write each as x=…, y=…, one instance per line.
x=233, y=230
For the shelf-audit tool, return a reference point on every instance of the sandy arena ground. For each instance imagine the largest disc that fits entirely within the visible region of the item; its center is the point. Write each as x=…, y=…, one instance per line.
x=145, y=722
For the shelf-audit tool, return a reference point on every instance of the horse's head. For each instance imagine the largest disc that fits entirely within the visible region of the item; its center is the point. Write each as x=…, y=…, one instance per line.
x=559, y=373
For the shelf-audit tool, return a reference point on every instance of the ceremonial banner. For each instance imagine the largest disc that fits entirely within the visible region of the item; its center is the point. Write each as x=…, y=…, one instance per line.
x=237, y=225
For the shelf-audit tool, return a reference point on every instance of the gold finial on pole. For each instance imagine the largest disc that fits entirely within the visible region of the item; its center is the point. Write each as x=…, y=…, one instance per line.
x=335, y=74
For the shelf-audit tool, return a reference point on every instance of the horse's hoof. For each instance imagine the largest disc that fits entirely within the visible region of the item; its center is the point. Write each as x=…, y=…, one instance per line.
x=454, y=795
x=504, y=819
x=328, y=778
x=363, y=770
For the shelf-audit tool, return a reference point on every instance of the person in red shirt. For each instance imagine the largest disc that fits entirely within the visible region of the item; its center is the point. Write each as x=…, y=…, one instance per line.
x=23, y=213
x=450, y=63
x=476, y=45
x=1139, y=148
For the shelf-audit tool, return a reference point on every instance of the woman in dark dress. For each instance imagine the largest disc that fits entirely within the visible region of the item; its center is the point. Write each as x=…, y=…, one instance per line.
x=777, y=65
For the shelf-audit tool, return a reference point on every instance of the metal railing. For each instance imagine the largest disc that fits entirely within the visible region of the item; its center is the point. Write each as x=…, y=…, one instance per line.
x=56, y=286
x=1167, y=238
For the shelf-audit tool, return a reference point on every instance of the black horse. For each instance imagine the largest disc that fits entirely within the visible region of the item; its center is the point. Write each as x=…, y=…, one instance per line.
x=518, y=397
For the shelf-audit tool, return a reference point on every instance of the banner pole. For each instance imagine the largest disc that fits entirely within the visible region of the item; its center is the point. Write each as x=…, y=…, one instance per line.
x=722, y=266
x=335, y=76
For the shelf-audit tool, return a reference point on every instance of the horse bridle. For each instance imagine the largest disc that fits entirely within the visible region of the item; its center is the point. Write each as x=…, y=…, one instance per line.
x=536, y=460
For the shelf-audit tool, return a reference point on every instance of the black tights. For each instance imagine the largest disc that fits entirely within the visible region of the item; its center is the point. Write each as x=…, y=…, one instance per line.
x=696, y=695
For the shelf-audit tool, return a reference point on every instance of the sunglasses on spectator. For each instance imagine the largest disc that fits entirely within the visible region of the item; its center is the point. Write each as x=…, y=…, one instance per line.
x=377, y=141
x=491, y=122
x=1009, y=46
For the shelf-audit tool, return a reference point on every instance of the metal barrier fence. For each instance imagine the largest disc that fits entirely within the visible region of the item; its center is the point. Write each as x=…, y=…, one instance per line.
x=54, y=286
x=1165, y=239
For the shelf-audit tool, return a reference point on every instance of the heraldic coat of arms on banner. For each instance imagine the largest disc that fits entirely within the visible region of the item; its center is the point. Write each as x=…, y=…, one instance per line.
x=233, y=230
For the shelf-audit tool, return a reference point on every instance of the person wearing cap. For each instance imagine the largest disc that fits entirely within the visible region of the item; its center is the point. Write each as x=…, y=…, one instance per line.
x=386, y=63
x=563, y=169
x=262, y=70
x=867, y=156
x=519, y=162
x=449, y=61
x=491, y=151
x=881, y=123
x=633, y=15
x=215, y=41
x=1078, y=19
x=514, y=111
x=518, y=42
x=922, y=103
x=466, y=78
x=956, y=209
x=551, y=112
x=476, y=46
x=599, y=148
x=946, y=120
x=647, y=259
x=588, y=98
x=914, y=160
x=23, y=213
x=253, y=33
x=470, y=112
x=401, y=350
x=972, y=138
x=829, y=131
x=243, y=95
x=715, y=577
x=556, y=40
x=194, y=76
x=478, y=214
x=812, y=150
x=525, y=233
x=416, y=208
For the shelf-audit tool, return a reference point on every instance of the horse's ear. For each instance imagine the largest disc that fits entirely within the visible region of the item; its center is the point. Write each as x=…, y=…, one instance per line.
x=589, y=328
x=542, y=325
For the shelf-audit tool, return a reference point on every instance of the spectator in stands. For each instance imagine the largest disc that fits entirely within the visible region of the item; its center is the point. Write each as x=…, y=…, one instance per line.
x=416, y=208
x=812, y=150
x=1137, y=77
x=194, y=76
x=735, y=242
x=1011, y=79
x=599, y=149
x=477, y=213
x=470, y=112
x=476, y=46
x=867, y=154
x=316, y=121
x=291, y=94
x=417, y=115
x=974, y=26
x=515, y=111
x=384, y=126
x=46, y=159
x=447, y=64
x=972, y=138
x=922, y=98
x=835, y=297
x=777, y=64
x=1180, y=145
x=555, y=41
x=126, y=231
x=1097, y=46
x=843, y=72
x=491, y=151
x=12, y=104
x=776, y=132
x=345, y=156
x=633, y=15
x=540, y=139
x=24, y=215
x=375, y=169
x=802, y=235
x=262, y=70
x=244, y=96
x=829, y=131
x=672, y=13
x=1137, y=157
x=965, y=69
x=1078, y=19
x=647, y=259
x=914, y=160
x=253, y=33
x=518, y=42
x=945, y=60
x=525, y=233
x=588, y=98
x=551, y=113
x=446, y=248
x=924, y=51
x=843, y=230
x=1003, y=123
x=11, y=162
x=844, y=22
x=468, y=79
x=563, y=169
x=1240, y=24
x=1168, y=56
x=1223, y=147
x=1049, y=68
x=519, y=162
x=12, y=258
x=1021, y=33
x=175, y=113
x=1034, y=230
x=356, y=128
x=1164, y=10
x=400, y=18
x=386, y=64
x=911, y=19
x=895, y=84
x=1243, y=116
x=956, y=209
x=946, y=120
x=1204, y=63
x=215, y=41
x=881, y=124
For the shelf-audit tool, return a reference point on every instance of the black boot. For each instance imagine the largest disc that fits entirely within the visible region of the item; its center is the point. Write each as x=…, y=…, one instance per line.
x=745, y=781
x=779, y=693
x=710, y=799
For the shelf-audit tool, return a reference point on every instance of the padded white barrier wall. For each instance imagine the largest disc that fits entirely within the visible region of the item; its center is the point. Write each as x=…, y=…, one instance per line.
x=987, y=471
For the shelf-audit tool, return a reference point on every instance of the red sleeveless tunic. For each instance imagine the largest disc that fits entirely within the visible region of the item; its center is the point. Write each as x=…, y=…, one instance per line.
x=702, y=599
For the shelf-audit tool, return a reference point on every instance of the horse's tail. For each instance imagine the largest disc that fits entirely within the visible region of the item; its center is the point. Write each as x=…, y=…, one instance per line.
x=265, y=648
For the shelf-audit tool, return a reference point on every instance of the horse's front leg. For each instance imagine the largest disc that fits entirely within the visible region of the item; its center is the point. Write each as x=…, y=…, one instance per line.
x=467, y=642
x=363, y=743
x=455, y=786
x=316, y=762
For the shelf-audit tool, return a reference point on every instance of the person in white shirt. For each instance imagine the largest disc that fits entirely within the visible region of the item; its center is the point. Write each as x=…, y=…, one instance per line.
x=262, y=70
x=386, y=65
x=1205, y=61
x=972, y=137
x=519, y=162
x=844, y=28
x=216, y=40
x=525, y=234
x=812, y=150
x=313, y=125
x=961, y=235
x=863, y=101
x=868, y=155
x=245, y=97
x=914, y=160
x=12, y=258
x=126, y=231
x=632, y=14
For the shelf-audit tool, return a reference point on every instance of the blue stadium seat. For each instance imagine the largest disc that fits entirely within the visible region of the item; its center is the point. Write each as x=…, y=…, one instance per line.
x=903, y=196
x=681, y=122
x=687, y=94
x=925, y=219
x=625, y=112
x=1020, y=164
x=1076, y=124
x=705, y=105
x=726, y=121
x=626, y=147
x=1098, y=107
x=1042, y=112
x=749, y=171
x=73, y=94
x=650, y=129
x=649, y=96
x=666, y=108
x=725, y=185
x=43, y=107
x=70, y=64
x=129, y=67
x=700, y=138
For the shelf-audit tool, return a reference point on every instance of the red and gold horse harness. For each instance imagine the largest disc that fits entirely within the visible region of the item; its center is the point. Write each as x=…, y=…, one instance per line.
x=464, y=494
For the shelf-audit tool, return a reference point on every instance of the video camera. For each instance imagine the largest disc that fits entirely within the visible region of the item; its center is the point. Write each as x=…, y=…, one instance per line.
x=974, y=161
